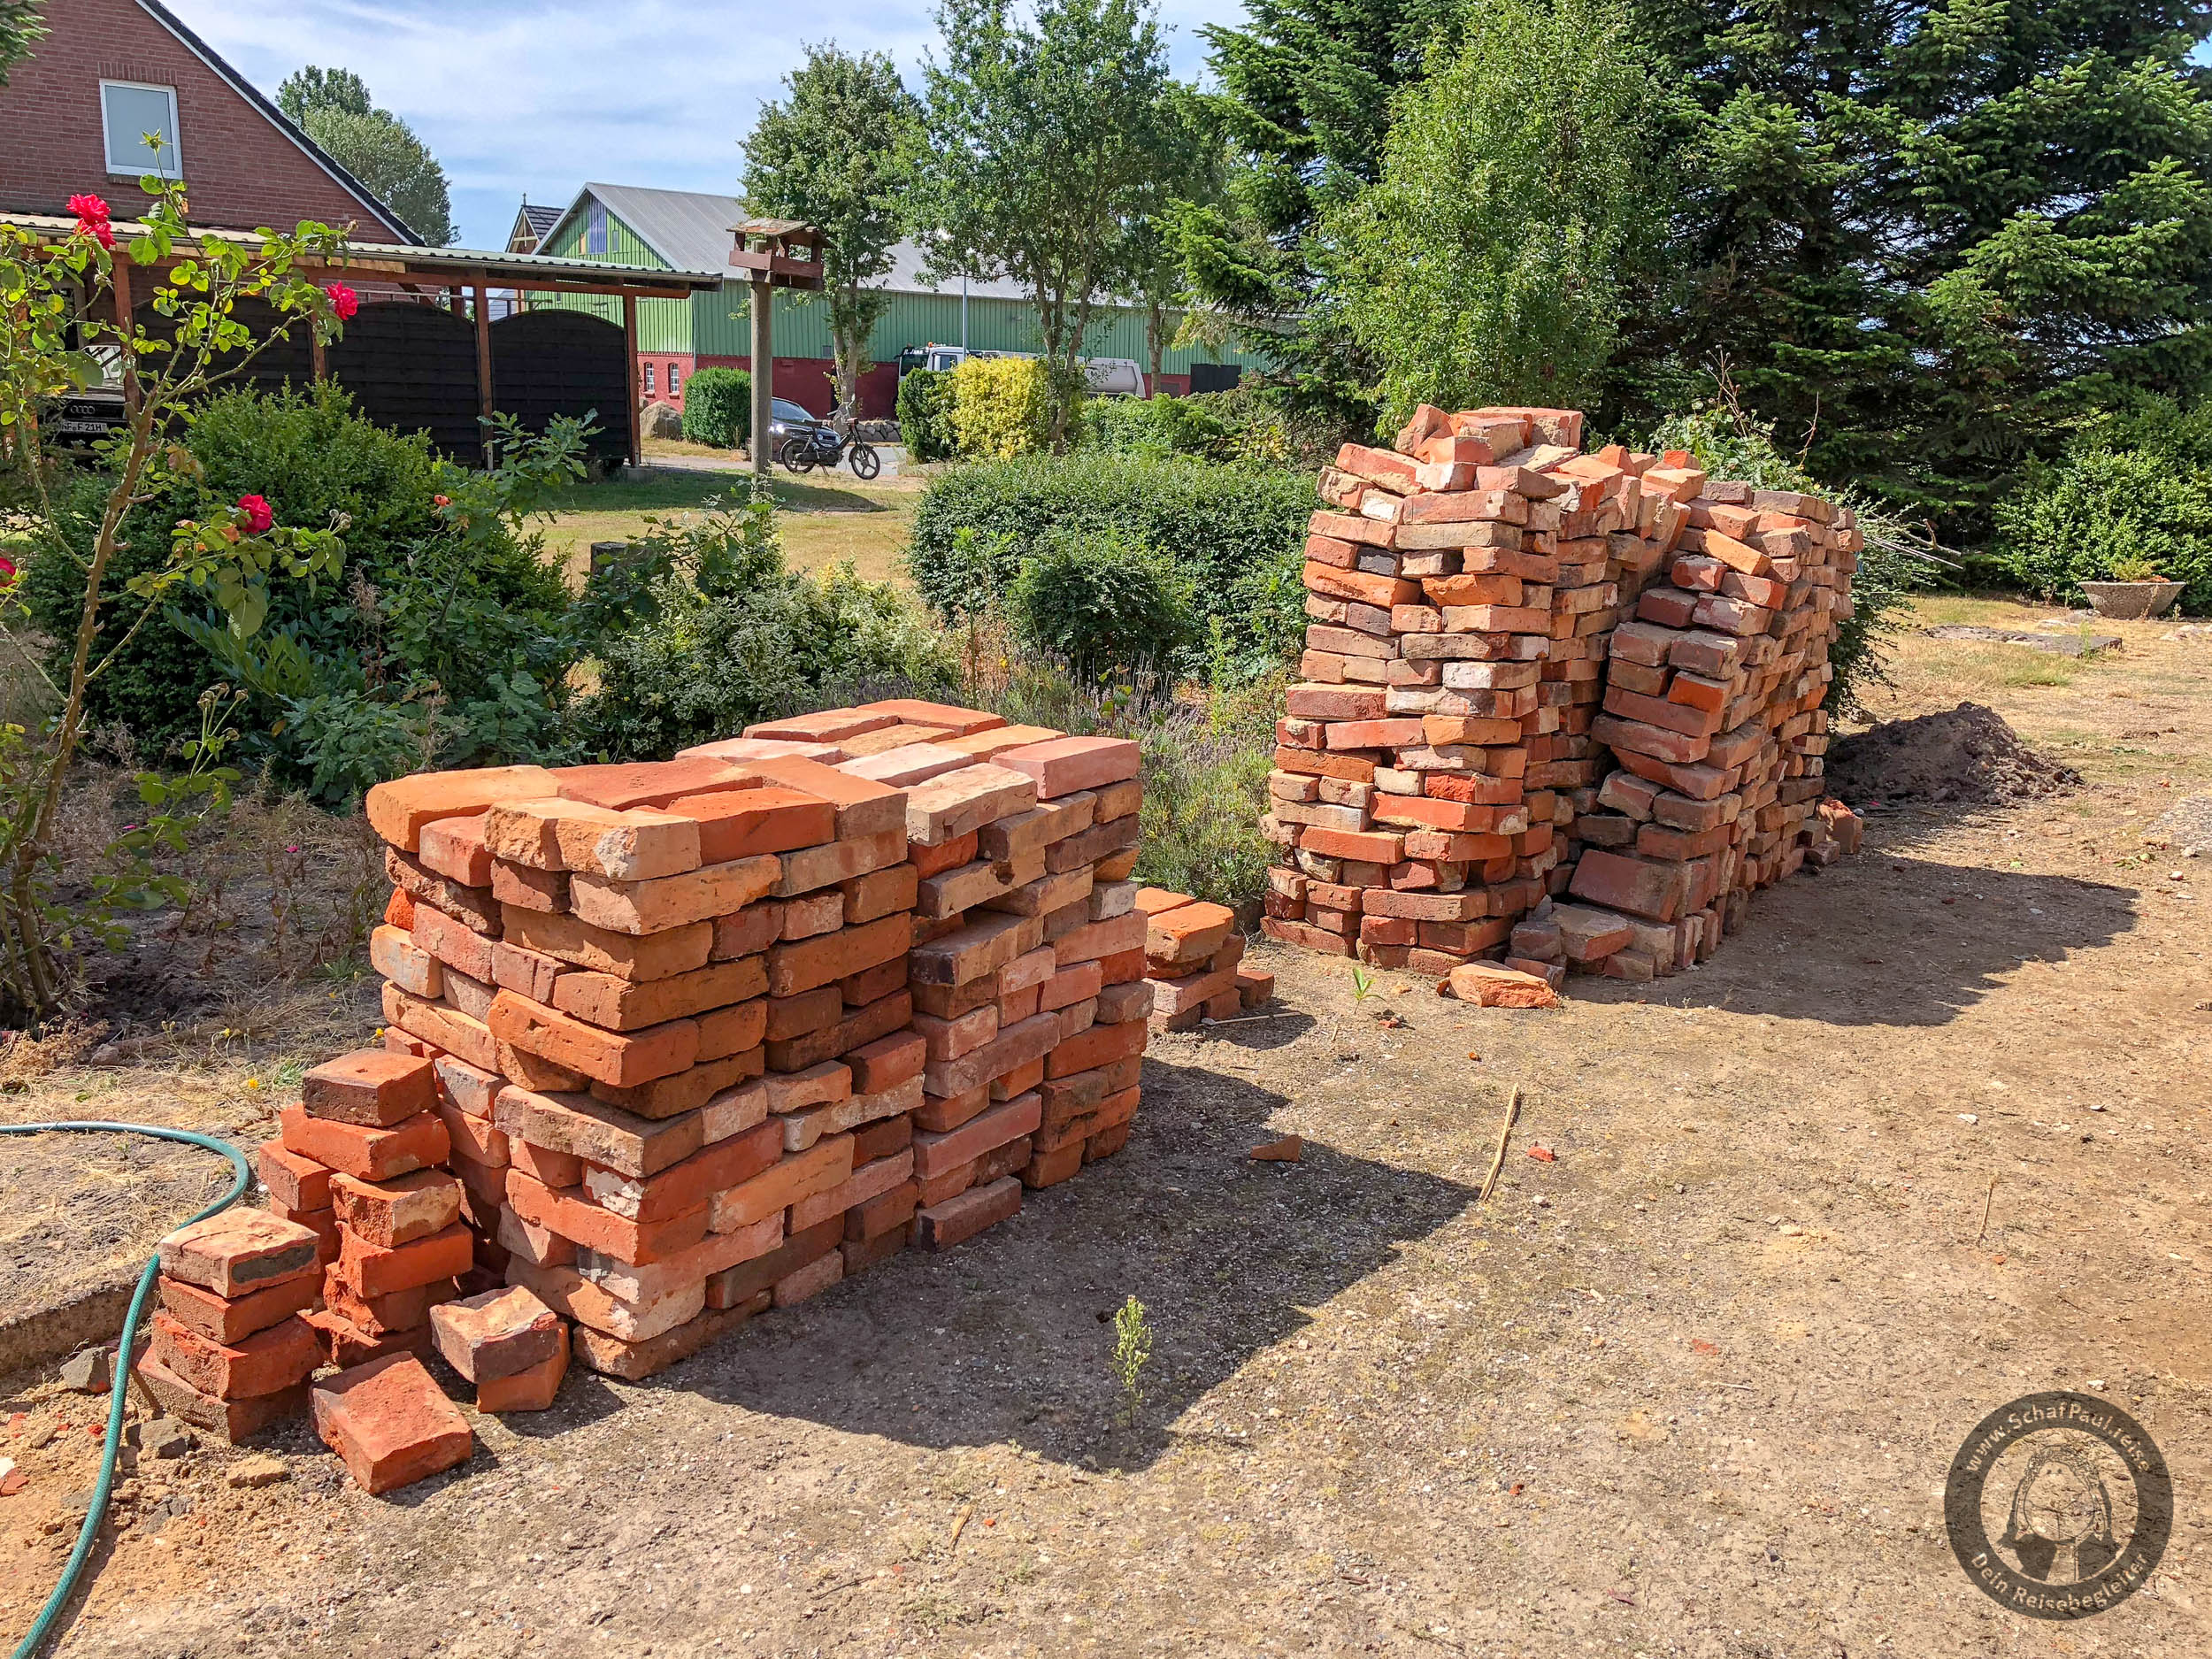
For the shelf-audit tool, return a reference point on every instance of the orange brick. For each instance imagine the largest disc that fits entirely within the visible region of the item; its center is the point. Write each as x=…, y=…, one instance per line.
x=373, y=1153
x=1064, y=766
x=391, y=1423
x=620, y=1059
x=371, y=1087
x=397, y=810
x=650, y=783
x=743, y=824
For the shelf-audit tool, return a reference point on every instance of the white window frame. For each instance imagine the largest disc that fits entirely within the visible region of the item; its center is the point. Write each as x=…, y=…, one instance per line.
x=173, y=167
x=675, y=382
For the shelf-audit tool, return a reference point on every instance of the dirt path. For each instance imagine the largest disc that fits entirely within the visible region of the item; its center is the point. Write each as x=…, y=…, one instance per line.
x=1690, y=1388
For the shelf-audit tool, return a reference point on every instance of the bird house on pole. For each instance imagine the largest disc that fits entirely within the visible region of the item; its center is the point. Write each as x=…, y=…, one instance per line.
x=773, y=253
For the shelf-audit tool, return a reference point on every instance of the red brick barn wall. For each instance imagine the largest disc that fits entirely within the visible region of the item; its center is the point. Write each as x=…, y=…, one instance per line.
x=243, y=170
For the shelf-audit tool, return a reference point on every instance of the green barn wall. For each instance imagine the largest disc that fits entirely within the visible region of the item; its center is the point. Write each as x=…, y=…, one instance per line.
x=715, y=325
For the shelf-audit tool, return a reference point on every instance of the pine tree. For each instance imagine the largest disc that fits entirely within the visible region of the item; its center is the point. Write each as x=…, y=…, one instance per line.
x=1929, y=239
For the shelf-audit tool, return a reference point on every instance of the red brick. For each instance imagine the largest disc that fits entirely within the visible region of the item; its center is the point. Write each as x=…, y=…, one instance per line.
x=296, y=1182
x=533, y=1389
x=1064, y=766
x=373, y=1270
x=949, y=806
x=826, y=1164
x=623, y=1060
x=1364, y=846
x=864, y=808
x=734, y=1286
x=391, y=1423
x=628, y=957
x=551, y=835
x=397, y=810
x=398, y=1210
x=623, y=785
x=394, y=952
x=369, y=1087
x=1641, y=887
x=497, y=1334
x=615, y=1003
x=238, y=1251
x=944, y=715
x=229, y=1319
x=1098, y=1045
x=262, y=1364
x=803, y=964
x=234, y=1420
x=768, y=819
x=959, y=1218
x=887, y=1062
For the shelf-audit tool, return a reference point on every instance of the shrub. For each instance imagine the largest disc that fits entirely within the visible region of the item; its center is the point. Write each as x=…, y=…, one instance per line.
x=726, y=635
x=1101, y=602
x=1000, y=406
x=1235, y=533
x=1158, y=425
x=925, y=410
x=719, y=408
x=2131, y=490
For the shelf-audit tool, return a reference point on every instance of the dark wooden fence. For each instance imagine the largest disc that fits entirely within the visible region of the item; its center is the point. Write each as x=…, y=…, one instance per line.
x=412, y=367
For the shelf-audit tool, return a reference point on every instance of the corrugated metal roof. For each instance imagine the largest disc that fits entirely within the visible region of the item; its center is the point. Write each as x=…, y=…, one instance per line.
x=691, y=230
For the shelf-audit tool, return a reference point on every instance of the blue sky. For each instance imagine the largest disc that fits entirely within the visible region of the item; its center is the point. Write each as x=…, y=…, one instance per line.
x=539, y=97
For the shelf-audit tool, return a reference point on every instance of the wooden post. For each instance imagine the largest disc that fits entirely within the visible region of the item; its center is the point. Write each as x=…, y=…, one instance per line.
x=318, y=356
x=629, y=347
x=121, y=281
x=764, y=301
x=483, y=357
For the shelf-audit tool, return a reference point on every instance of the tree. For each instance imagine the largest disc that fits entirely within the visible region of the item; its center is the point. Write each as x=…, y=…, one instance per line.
x=20, y=31
x=1485, y=265
x=312, y=88
x=1046, y=143
x=1188, y=178
x=1931, y=238
x=840, y=154
x=333, y=107
x=1304, y=99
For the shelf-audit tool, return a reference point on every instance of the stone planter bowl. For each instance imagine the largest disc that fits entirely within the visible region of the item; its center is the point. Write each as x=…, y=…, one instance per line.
x=2132, y=602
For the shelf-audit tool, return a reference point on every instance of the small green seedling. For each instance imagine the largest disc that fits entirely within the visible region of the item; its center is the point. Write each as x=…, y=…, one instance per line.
x=1362, y=985
x=1132, y=1347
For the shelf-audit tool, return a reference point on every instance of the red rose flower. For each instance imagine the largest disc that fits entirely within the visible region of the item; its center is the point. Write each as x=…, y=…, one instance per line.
x=92, y=219
x=344, y=300
x=7, y=570
x=258, y=516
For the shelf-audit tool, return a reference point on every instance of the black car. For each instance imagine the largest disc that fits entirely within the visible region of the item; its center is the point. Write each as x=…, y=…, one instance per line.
x=82, y=419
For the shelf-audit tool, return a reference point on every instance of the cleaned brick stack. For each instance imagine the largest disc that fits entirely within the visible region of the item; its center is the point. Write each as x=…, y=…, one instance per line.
x=1026, y=973
x=230, y=1353
x=680, y=1074
x=359, y=1160
x=647, y=980
x=1463, y=702
x=1194, y=955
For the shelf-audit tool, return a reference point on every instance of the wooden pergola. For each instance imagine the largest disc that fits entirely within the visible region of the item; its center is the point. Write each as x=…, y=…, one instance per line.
x=426, y=273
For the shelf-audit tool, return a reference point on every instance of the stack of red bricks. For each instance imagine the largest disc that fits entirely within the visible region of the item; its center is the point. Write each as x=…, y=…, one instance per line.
x=1026, y=974
x=1194, y=955
x=360, y=1159
x=230, y=1352
x=680, y=1072
x=1468, y=697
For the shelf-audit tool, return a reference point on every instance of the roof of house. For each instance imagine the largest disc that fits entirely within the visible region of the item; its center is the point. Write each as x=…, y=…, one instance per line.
x=691, y=230
x=277, y=118
x=538, y=220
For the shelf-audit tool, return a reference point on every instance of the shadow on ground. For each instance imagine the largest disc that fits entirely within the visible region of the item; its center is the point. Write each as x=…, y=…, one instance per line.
x=1883, y=940
x=1010, y=1338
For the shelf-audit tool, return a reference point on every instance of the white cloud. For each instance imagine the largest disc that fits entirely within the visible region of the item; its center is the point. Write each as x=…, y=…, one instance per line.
x=540, y=98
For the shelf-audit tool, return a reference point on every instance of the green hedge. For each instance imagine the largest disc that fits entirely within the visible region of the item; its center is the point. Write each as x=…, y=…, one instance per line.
x=719, y=408
x=925, y=410
x=1235, y=533
x=2132, y=487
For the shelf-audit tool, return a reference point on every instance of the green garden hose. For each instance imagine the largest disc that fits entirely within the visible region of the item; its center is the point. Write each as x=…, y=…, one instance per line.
x=97, y=1511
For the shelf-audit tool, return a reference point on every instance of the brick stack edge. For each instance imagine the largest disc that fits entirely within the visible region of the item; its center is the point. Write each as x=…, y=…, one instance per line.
x=707, y=1035
x=1558, y=708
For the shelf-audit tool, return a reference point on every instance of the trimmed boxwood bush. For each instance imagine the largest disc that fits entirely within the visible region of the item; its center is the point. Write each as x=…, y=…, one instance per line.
x=2127, y=489
x=1235, y=533
x=719, y=408
x=926, y=414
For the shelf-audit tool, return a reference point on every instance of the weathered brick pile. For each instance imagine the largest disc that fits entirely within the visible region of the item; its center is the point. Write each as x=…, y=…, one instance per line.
x=708, y=1034
x=1478, y=737
x=229, y=1351
x=1194, y=955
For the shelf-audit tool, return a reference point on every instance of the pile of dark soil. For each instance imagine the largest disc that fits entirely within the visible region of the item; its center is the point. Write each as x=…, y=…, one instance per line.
x=1967, y=757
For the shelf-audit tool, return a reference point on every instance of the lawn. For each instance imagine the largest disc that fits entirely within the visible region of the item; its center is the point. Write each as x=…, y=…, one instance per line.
x=822, y=523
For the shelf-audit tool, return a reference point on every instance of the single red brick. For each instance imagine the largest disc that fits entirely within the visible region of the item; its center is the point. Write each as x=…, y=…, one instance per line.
x=373, y=1153
x=397, y=1210
x=1063, y=765
x=398, y=810
x=454, y=847
x=375, y=1270
x=296, y=1182
x=391, y=1423
x=944, y=715
x=767, y=819
x=371, y=1087
x=238, y=1251
x=957, y=1219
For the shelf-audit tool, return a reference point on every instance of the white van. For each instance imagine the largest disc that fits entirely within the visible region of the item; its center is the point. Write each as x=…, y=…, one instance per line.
x=1106, y=377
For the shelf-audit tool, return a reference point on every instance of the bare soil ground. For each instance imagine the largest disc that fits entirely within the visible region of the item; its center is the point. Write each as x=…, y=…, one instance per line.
x=1926, y=1135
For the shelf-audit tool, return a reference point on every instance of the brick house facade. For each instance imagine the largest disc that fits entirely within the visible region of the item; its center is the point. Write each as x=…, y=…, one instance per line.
x=106, y=60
